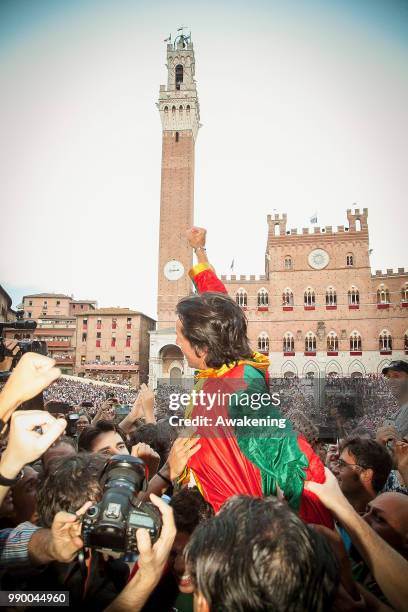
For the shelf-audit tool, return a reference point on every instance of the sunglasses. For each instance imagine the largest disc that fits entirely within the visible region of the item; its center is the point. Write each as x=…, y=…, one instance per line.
x=342, y=464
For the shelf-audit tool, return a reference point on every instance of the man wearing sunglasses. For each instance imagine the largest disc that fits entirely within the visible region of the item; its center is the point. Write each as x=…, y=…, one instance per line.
x=362, y=470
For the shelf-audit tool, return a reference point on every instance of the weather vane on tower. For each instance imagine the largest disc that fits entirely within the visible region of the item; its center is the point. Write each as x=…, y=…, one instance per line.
x=180, y=37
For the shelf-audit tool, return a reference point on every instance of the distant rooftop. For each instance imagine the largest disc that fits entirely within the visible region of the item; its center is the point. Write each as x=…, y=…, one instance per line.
x=113, y=311
x=51, y=295
x=83, y=301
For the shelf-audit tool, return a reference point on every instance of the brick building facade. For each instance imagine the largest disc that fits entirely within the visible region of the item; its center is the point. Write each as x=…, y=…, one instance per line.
x=318, y=309
x=113, y=342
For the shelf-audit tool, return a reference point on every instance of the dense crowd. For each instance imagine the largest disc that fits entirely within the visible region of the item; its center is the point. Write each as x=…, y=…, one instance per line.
x=367, y=401
x=129, y=512
x=74, y=392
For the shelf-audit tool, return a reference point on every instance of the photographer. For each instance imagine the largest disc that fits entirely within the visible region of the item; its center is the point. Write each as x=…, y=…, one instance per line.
x=73, y=482
x=105, y=437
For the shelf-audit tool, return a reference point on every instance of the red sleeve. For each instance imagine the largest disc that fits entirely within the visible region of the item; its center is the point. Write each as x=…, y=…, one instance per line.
x=311, y=508
x=205, y=279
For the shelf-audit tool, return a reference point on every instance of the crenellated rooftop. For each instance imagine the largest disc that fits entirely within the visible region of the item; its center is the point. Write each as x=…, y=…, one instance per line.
x=357, y=223
x=247, y=278
x=389, y=272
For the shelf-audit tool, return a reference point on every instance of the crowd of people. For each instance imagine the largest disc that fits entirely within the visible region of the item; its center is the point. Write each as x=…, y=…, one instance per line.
x=126, y=512
x=75, y=391
x=367, y=400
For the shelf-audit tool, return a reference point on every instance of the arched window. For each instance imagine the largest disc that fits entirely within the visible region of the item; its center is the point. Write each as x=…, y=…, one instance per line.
x=331, y=297
x=263, y=342
x=383, y=295
x=288, y=262
x=332, y=342
x=287, y=297
x=263, y=298
x=350, y=260
x=179, y=75
x=353, y=296
x=385, y=341
x=355, y=341
x=404, y=293
x=309, y=297
x=241, y=298
x=288, y=343
x=310, y=342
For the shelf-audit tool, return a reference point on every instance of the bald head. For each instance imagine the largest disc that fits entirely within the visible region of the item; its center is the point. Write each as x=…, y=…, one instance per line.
x=388, y=516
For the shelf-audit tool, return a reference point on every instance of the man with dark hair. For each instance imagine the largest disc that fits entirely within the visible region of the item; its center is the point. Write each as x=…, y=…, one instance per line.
x=63, y=447
x=103, y=437
x=159, y=436
x=257, y=555
x=362, y=470
x=211, y=331
x=72, y=482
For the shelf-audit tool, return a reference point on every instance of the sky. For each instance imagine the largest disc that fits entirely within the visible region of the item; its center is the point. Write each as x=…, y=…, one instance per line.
x=304, y=109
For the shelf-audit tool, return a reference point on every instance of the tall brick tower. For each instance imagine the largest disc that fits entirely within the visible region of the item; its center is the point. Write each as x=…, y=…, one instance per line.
x=179, y=113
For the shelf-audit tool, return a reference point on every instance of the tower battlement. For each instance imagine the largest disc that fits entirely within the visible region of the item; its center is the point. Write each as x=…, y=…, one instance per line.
x=357, y=224
x=390, y=272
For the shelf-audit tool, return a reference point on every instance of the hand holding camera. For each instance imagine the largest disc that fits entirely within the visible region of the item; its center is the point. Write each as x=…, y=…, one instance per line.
x=111, y=525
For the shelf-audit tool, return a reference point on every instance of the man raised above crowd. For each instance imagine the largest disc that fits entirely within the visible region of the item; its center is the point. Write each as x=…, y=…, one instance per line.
x=212, y=333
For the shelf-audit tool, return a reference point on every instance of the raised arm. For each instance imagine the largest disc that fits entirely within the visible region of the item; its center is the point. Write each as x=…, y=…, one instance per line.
x=203, y=274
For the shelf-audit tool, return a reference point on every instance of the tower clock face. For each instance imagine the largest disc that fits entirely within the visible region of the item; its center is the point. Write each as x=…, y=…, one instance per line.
x=173, y=270
x=318, y=259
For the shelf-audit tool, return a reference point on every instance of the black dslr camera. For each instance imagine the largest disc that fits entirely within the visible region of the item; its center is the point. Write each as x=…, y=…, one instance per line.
x=110, y=526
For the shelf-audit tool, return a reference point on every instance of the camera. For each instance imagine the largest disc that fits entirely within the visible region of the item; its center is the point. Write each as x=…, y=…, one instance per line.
x=110, y=526
x=72, y=423
x=24, y=345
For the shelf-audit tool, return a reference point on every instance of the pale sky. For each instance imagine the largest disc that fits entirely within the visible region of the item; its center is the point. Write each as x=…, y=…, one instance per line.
x=303, y=106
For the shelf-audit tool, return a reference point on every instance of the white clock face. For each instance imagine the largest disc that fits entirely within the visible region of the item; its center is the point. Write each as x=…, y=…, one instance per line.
x=318, y=259
x=173, y=270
